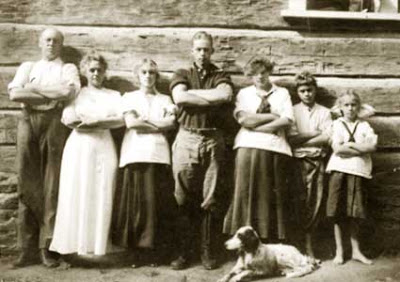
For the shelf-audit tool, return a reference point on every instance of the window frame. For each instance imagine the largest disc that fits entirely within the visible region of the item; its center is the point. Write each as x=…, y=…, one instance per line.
x=298, y=9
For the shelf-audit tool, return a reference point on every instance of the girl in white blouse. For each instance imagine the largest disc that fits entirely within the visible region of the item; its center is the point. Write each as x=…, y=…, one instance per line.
x=353, y=140
x=263, y=110
x=146, y=196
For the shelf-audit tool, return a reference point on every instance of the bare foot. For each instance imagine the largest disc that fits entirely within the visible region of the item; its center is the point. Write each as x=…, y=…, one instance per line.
x=361, y=258
x=338, y=260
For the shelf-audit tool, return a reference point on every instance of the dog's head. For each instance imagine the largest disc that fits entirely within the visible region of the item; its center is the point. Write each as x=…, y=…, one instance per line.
x=245, y=239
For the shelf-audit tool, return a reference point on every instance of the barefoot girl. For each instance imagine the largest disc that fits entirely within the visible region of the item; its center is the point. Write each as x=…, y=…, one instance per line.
x=353, y=140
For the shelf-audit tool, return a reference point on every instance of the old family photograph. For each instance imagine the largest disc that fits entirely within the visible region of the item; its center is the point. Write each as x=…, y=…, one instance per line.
x=200, y=141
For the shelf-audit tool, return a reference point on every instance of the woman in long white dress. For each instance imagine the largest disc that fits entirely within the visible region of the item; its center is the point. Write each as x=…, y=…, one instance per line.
x=89, y=166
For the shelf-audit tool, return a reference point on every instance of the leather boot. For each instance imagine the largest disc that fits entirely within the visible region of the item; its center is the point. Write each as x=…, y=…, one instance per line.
x=48, y=258
x=208, y=238
x=183, y=234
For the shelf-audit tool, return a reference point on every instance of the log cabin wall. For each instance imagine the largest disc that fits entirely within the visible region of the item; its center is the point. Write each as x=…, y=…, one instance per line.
x=365, y=58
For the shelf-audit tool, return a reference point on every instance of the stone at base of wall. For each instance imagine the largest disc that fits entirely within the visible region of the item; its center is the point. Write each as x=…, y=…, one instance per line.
x=8, y=182
x=8, y=213
x=8, y=236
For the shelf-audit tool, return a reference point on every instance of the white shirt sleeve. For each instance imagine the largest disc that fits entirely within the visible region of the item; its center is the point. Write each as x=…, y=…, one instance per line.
x=369, y=135
x=286, y=107
x=69, y=113
x=240, y=104
x=21, y=76
x=129, y=103
x=337, y=136
x=70, y=76
x=115, y=104
x=170, y=109
x=326, y=123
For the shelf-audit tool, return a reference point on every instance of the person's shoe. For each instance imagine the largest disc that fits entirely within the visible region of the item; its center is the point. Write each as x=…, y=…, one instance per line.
x=26, y=259
x=208, y=261
x=48, y=258
x=180, y=263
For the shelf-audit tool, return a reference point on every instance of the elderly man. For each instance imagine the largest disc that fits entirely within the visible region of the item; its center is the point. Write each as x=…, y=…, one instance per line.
x=198, y=152
x=42, y=87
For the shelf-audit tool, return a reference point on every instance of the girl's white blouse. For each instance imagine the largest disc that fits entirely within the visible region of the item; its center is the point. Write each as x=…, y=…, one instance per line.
x=358, y=165
x=145, y=147
x=281, y=104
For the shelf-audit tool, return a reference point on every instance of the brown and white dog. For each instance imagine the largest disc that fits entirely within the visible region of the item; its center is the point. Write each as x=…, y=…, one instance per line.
x=263, y=260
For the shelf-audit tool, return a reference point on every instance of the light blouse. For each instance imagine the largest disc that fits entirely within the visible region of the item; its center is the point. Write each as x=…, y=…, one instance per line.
x=357, y=165
x=145, y=147
x=247, y=100
x=310, y=119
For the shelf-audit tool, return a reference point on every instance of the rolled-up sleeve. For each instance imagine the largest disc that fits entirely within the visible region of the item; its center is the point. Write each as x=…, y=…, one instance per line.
x=179, y=77
x=21, y=76
x=222, y=77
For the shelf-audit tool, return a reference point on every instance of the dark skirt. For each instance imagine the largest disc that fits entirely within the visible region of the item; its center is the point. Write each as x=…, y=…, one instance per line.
x=347, y=197
x=309, y=180
x=260, y=193
x=143, y=206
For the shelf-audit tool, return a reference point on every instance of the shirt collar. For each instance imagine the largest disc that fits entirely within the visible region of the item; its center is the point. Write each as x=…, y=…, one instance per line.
x=348, y=122
x=206, y=70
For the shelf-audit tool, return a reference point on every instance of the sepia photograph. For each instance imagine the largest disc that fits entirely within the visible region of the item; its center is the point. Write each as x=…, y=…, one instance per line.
x=199, y=140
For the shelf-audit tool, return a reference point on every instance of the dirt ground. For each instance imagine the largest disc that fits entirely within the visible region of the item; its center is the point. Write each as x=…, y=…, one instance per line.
x=384, y=269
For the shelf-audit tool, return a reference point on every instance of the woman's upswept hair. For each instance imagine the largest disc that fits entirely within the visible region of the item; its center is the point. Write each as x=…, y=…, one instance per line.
x=89, y=57
x=146, y=61
x=305, y=78
x=255, y=64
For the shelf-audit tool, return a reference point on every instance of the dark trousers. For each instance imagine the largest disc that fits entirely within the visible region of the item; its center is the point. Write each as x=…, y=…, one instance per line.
x=197, y=163
x=40, y=142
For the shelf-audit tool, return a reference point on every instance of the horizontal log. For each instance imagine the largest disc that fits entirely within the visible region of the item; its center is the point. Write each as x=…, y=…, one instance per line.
x=236, y=13
x=382, y=94
x=7, y=157
x=386, y=164
x=387, y=129
x=324, y=54
x=8, y=182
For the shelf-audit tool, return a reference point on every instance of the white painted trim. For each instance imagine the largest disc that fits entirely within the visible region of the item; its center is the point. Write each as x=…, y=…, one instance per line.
x=313, y=14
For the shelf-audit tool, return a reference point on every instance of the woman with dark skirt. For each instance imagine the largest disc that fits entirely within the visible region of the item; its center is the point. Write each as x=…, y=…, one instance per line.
x=146, y=196
x=263, y=110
